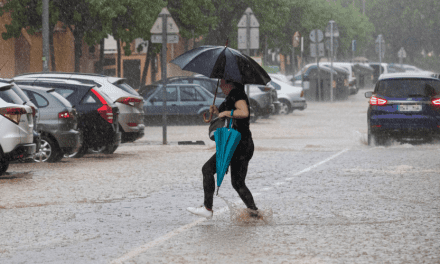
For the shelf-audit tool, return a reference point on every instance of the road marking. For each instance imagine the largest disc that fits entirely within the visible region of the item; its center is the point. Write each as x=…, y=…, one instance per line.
x=317, y=164
x=143, y=248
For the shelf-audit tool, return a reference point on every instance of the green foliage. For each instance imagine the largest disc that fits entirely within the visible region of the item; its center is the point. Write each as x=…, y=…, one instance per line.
x=413, y=25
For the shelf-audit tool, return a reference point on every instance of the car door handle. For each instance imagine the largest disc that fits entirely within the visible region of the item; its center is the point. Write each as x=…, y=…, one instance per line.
x=173, y=105
x=201, y=104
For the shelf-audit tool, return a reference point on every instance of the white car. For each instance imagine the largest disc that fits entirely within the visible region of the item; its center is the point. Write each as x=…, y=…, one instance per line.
x=16, y=136
x=290, y=97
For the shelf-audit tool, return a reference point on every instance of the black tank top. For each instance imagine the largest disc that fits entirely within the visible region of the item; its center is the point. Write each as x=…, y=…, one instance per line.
x=242, y=125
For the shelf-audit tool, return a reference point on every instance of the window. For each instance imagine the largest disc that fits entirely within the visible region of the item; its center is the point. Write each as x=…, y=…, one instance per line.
x=171, y=95
x=190, y=94
x=64, y=92
x=403, y=88
x=276, y=85
x=89, y=99
x=40, y=101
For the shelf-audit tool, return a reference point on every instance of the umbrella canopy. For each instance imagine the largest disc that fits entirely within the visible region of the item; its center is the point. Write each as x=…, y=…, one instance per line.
x=222, y=62
x=226, y=141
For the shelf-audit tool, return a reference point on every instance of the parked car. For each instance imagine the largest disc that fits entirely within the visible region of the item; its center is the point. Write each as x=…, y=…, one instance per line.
x=182, y=100
x=16, y=137
x=383, y=68
x=97, y=114
x=404, y=105
x=57, y=122
x=260, y=105
x=352, y=87
x=290, y=97
x=11, y=93
x=129, y=102
x=260, y=100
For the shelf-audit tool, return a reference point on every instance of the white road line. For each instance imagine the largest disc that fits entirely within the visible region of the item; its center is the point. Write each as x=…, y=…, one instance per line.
x=143, y=248
x=319, y=163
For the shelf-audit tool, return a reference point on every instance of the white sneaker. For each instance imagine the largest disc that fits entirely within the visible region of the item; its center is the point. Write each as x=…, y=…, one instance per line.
x=202, y=211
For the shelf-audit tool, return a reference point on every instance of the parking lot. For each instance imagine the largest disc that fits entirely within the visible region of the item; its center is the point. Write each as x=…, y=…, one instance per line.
x=334, y=198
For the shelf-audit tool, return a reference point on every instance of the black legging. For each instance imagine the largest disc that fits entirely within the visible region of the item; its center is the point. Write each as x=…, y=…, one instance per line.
x=239, y=166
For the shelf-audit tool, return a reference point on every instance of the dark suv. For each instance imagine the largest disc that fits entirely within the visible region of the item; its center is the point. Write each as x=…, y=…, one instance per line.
x=97, y=114
x=404, y=106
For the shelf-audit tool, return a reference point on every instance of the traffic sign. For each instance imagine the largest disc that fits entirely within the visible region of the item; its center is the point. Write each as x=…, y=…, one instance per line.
x=316, y=35
x=171, y=25
x=328, y=29
x=171, y=38
x=335, y=44
x=401, y=53
x=243, y=20
x=317, y=50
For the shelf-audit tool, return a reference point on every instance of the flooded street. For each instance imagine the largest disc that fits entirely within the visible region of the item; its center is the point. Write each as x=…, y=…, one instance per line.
x=334, y=199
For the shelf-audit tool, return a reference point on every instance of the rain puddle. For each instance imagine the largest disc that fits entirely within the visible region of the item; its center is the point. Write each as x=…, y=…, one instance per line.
x=242, y=216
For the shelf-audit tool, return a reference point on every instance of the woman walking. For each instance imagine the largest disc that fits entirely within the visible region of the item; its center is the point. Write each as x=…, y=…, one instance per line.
x=237, y=100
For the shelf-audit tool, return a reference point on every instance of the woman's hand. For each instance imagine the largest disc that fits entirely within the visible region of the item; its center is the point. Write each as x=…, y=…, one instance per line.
x=213, y=109
x=224, y=114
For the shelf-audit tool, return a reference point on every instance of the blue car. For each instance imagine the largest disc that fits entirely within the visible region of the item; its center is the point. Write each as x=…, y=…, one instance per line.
x=182, y=100
x=404, y=106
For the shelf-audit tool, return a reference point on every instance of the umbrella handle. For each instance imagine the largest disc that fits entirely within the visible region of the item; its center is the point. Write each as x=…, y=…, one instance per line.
x=218, y=187
x=207, y=120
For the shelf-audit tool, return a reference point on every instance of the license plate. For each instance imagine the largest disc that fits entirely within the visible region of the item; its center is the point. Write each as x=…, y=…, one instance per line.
x=409, y=108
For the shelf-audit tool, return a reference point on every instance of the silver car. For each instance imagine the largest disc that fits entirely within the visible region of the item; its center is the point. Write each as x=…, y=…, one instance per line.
x=129, y=102
x=291, y=97
x=57, y=123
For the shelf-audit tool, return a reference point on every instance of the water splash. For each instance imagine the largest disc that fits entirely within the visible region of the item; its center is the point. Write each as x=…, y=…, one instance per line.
x=242, y=216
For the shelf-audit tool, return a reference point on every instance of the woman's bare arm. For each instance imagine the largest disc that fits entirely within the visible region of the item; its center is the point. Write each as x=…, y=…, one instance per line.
x=240, y=112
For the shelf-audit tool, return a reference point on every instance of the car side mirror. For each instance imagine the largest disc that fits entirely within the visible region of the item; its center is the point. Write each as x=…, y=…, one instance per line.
x=368, y=94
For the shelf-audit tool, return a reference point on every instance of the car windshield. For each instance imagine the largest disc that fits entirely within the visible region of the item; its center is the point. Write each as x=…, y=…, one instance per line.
x=411, y=87
x=274, y=84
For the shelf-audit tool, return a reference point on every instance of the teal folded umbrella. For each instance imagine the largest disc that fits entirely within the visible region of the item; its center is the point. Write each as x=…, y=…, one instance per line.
x=226, y=141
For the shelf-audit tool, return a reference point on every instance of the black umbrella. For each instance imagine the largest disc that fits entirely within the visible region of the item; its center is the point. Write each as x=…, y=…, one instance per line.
x=221, y=62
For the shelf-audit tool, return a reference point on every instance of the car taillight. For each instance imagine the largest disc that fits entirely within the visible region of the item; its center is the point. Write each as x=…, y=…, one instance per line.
x=128, y=100
x=436, y=101
x=13, y=113
x=302, y=93
x=105, y=110
x=377, y=101
x=65, y=115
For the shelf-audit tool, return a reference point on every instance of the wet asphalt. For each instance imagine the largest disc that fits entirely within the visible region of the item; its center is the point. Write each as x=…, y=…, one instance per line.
x=334, y=199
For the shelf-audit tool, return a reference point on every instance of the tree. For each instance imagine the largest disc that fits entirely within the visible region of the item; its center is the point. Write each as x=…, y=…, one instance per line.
x=27, y=14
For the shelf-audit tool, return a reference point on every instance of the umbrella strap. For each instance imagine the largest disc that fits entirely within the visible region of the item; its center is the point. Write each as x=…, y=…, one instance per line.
x=230, y=123
x=218, y=187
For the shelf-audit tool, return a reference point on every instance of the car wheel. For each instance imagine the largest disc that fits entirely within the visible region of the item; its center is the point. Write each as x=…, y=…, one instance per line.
x=96, y=150
x=284, y=107
x=378, y=140
x=78, y=154
x=49, y=151
x=4, y=164
x=110, y=149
